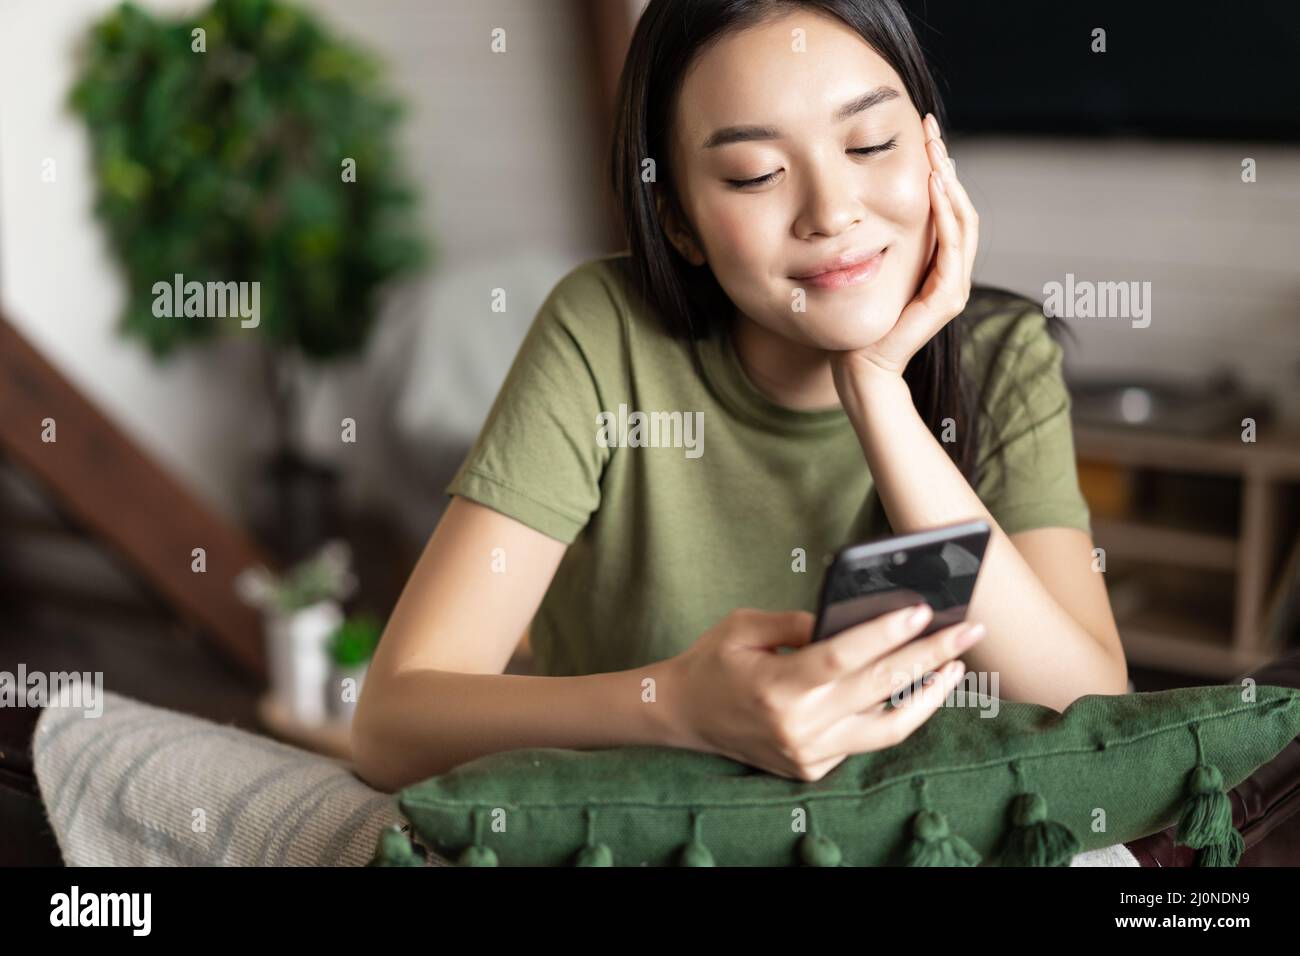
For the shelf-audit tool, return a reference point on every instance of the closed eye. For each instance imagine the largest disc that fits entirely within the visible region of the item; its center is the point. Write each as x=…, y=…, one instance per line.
x=860, y=151
x=745, y=183
x=870, y=150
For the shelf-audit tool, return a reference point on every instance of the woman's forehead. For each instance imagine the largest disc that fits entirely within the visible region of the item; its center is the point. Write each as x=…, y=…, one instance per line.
x=767, y=75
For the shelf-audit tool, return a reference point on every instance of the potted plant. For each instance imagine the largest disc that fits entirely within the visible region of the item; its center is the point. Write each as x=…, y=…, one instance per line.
x=351, y=646
x=302, y=611
x=246, y=144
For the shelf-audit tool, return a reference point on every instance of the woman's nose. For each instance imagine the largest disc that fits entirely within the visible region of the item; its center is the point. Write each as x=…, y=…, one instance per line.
x=831, y=203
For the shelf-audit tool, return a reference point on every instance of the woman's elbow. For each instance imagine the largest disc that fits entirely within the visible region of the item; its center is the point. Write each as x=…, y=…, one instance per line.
x=372, y=760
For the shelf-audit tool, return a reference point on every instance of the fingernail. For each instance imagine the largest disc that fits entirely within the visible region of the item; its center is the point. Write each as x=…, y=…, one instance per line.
x=918, y=616
x=952, y=166
x=938, y=181
x=969, y=636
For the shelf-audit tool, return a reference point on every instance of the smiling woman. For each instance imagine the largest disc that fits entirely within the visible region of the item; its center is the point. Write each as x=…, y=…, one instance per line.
x=798, y=276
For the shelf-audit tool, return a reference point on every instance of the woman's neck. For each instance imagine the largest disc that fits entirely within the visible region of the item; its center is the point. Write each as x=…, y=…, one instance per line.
x=790, y=374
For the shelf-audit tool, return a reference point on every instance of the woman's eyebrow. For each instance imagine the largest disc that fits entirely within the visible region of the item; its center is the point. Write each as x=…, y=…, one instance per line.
x=744, y=134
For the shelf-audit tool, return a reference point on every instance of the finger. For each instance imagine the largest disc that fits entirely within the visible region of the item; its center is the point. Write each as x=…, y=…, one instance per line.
x=879, y=681
x=927, y=698
x=822, y=767
x=942, y=163
x=910, y=663
x=846, y=652
x=882, y=726
x=948, y=257
x=963, y=208
x=966, y=216
x=779, y=628
x=946, y=288
x=957, y=195
x=931, y=126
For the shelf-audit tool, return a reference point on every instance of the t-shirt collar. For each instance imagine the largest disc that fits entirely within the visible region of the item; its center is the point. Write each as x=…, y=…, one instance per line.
x=738, y=393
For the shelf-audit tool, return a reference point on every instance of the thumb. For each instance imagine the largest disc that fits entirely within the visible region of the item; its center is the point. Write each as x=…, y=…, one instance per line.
x=782, y=629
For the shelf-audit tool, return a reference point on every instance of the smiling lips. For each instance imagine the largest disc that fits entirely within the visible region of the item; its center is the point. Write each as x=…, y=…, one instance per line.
x=844, y=270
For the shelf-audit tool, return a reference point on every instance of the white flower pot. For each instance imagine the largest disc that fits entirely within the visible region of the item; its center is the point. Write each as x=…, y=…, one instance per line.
x=300, y=663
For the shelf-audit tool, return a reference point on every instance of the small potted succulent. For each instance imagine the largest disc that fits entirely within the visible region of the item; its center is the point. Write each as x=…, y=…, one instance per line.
x=302, y=610
x=351, y=646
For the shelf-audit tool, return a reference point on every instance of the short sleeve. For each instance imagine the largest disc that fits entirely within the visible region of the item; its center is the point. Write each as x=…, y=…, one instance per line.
x=1027, y=471
x=537, y=458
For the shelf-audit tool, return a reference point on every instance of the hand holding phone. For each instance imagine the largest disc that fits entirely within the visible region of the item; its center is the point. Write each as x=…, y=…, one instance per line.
x=799, y=715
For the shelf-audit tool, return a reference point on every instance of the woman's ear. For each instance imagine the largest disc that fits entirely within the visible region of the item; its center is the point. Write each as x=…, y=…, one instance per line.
x=680, y=236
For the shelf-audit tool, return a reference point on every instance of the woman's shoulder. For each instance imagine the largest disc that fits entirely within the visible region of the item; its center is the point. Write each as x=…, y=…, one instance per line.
x=1000, y=326
x=593, y=312
x=993, y=312
x=598, y=284
x=597, y=300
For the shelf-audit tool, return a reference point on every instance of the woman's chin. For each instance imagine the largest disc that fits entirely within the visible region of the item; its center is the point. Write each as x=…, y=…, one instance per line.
x=846, y=337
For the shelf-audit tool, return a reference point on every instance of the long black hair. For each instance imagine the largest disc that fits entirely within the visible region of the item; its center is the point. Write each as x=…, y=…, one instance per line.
x=668, y=37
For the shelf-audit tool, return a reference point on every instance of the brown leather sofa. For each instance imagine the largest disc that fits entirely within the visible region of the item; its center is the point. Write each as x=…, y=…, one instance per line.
x=28, y=839
x=1266, y=806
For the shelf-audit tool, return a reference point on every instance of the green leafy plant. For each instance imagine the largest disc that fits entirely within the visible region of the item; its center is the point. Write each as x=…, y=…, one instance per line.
x=228, y=164
x=326, y=575
x=355, y=640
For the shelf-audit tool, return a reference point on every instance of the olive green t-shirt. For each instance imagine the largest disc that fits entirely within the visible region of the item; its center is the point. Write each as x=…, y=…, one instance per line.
x=722, y=498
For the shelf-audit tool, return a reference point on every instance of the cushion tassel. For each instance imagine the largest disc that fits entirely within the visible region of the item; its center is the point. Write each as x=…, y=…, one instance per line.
x=393, y=848
x=1034, y=840
x=817, y=849
x=694, y=852
x=477, y=854
x=1205, y=822
x=933, y=843
x=1227, y=853
x=594, y=854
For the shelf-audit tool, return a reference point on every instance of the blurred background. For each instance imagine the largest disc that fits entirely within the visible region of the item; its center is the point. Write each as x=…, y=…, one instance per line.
x=144, y=469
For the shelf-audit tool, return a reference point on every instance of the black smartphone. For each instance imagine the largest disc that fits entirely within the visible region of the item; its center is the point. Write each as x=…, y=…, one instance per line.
x=939, y=566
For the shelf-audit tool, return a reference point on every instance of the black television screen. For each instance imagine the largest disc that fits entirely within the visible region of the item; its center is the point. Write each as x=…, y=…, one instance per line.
x=1191, y=70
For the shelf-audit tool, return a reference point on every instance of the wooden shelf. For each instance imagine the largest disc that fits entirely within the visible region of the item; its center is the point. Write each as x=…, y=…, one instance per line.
x=1275, y=453
x=1137, y=541
x=1267, y=472
x=1174, y=651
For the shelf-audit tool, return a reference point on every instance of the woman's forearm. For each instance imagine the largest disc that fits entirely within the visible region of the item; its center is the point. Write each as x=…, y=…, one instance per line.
x=423, y=722
x=1039, y=652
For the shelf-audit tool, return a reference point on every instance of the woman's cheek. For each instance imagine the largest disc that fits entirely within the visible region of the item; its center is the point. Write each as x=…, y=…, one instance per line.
x=905, y=196
x=906, y=201
x=736, y=245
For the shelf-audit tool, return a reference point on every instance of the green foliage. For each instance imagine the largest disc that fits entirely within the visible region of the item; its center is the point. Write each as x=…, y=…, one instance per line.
x=355, y=641
x=326, y=575
x=226, y=165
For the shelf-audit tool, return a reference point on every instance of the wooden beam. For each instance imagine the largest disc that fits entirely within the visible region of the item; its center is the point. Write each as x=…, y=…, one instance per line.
x=106, y=484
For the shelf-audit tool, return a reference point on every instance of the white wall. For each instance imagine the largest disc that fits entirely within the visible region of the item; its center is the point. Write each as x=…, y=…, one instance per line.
x=1220, y=254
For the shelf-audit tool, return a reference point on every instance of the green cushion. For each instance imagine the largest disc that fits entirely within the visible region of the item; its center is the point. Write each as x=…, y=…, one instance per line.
x=1025, y=786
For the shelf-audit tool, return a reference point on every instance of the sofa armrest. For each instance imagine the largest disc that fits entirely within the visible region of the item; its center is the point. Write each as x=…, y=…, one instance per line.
x=1265, y=806
x=144, y=786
